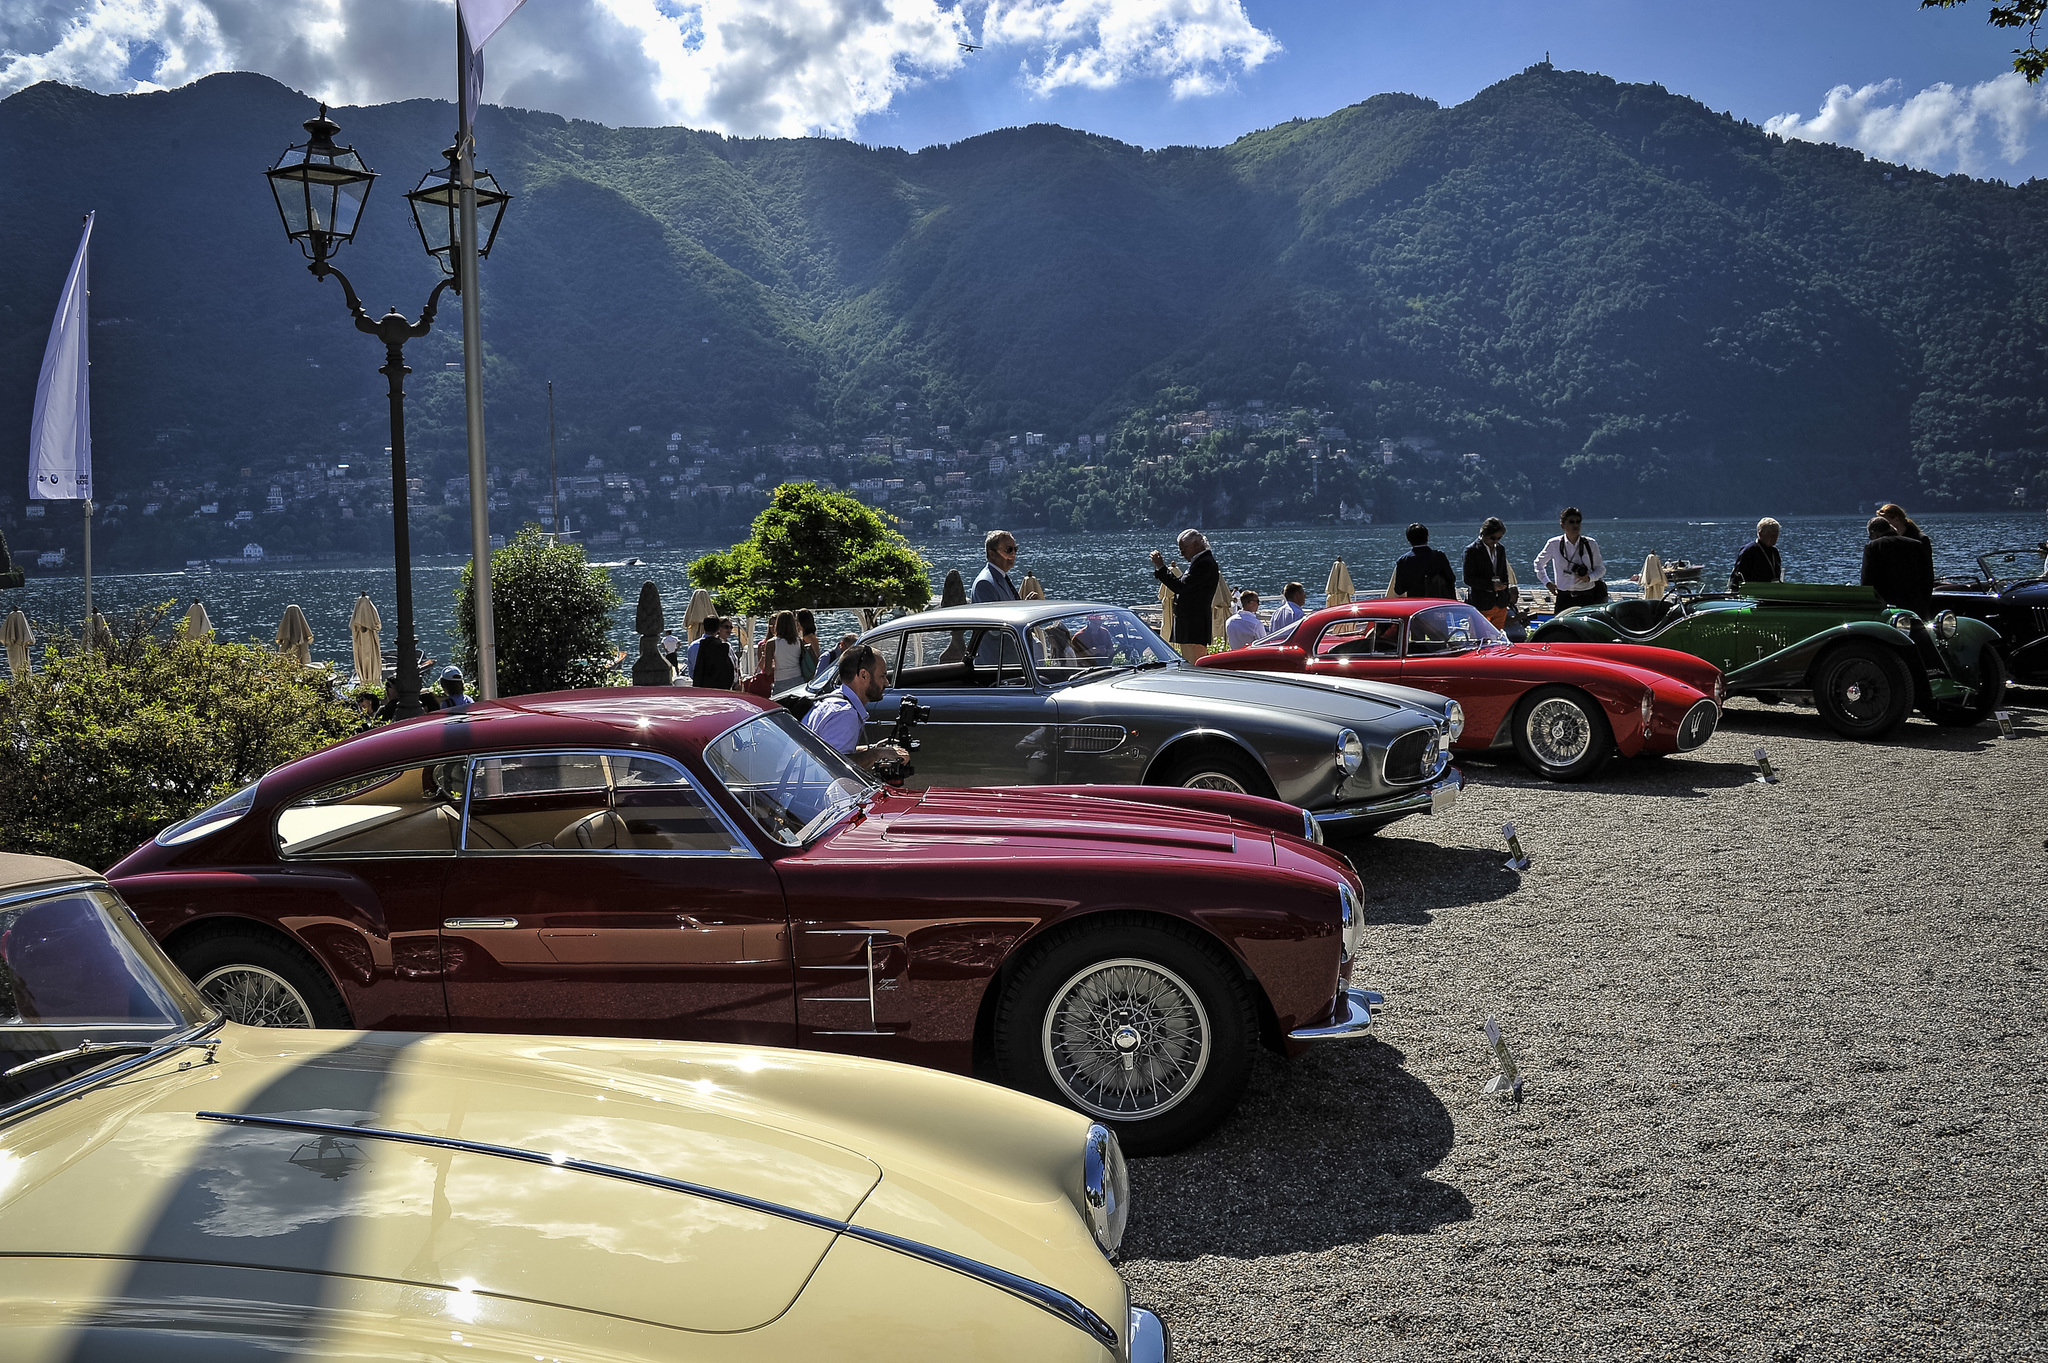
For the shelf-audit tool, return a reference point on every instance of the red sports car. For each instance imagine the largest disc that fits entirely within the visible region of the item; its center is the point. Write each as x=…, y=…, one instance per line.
x=696, y=865
x=1564, y=708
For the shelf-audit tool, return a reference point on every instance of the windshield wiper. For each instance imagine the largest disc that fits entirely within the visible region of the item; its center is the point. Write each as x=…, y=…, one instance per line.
x=107, y=1048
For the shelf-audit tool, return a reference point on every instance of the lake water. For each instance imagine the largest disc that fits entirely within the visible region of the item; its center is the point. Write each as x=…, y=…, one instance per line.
x=1106, y=567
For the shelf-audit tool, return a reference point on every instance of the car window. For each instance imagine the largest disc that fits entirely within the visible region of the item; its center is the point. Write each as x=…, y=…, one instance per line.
x=1448, y=629
x=935, y=659
x=539, y=802
x=1359, y=638
x=789, y=783
x=660, y=810
x=412, y=811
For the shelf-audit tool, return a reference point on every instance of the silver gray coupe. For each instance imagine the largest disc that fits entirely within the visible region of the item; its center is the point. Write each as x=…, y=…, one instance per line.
x=1073, y=693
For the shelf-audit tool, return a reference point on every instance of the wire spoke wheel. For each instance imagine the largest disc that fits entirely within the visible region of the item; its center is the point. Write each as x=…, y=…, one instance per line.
x=255, y=997
x=1126, y=1039
x=1214, y=780
x=1861, y=690
x=1559, y=732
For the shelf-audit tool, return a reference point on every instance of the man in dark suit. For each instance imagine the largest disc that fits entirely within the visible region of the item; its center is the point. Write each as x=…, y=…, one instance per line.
x=1424, y=571
x=1487, y=582
x=994, y=583
x=1760, y=561
x=1193, y=595
x=1898, y=568
x=712, y=668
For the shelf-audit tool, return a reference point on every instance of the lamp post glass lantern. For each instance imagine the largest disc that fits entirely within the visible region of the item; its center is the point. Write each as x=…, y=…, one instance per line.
x=437, y=211
x=320, y=189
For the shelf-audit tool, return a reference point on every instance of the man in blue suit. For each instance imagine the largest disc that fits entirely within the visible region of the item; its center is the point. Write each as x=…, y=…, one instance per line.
x=994, y=583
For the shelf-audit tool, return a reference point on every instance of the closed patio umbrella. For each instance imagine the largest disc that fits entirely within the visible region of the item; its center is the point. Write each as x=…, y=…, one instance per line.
x=1339, y=589
x=1032, y=589
x=295, y=636
x=699, y=610
x=99, y=633
x=1165, y=612
x=750, y=652
x=19, y=639
x=1655, y=580
x=197, y=626
x=1219, y=611
x=364, y=628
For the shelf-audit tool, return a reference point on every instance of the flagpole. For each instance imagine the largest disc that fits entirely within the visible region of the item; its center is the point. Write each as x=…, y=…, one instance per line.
x=87, y=504
x=473, y=376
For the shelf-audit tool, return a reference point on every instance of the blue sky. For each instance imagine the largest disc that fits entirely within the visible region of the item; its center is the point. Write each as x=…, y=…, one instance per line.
x=1930, y=88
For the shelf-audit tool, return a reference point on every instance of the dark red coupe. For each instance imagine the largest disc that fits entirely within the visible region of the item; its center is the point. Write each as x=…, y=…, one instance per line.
x=684, y=864
x=1563, y=708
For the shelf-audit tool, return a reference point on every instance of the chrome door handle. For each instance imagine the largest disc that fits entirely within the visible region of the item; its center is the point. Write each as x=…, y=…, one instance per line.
x=479, y=922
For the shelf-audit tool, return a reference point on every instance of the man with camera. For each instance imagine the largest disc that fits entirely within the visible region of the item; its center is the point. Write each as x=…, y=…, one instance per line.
x=840, y=718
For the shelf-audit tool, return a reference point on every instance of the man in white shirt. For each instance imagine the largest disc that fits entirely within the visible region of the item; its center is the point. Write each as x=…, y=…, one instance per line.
x=1242, y=629
x=1571, y=563
x=1293, y=606
x=840, y=718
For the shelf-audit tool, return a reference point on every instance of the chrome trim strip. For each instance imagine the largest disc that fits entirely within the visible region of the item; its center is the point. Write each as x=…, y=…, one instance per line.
x=1048, y=1299
x=462, y=923
x=53, y=887
x=1409, y=802
x=1356, y=1020
x=1151, y=1342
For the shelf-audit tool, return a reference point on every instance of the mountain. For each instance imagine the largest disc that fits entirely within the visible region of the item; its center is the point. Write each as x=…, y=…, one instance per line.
x=1609, y=292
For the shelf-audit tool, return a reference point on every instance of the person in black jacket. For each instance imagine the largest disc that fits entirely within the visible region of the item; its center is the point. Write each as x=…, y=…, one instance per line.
x=1487, y=582
x=1193, y=595
x=713, y=668
x=1760, y=561
x=1424, y=571
x=1899, y=568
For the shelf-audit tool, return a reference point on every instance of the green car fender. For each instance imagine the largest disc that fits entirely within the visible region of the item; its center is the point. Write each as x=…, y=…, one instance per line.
x=1790, y=669
x=1965, y=652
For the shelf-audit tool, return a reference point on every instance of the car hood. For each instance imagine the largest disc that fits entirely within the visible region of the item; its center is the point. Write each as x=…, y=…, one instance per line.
x=1003, y=822
x=1351, y=703
x=131, y=1172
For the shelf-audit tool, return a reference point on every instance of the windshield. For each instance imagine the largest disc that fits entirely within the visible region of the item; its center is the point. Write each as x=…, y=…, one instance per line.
x=789, y=783
x=75, y=967
x=1450, y=629
x=2013, y=565
x=1065, y=646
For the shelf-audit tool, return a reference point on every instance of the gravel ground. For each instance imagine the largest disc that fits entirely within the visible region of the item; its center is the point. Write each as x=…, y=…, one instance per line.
x=1784, y=1051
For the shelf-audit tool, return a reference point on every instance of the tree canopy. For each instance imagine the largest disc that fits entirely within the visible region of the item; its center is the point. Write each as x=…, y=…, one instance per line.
x=814, y=549
x=553, y=614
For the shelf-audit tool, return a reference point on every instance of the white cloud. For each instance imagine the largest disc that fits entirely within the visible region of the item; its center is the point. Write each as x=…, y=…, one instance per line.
x=1941, y=128
x=1194, y=44
x=752, y=67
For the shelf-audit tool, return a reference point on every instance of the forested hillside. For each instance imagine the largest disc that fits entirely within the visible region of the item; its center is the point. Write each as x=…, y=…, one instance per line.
x=1606, y=291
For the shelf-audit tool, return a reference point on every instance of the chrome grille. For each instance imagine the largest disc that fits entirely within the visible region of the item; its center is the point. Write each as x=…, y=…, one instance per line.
x=1091, y=737
x=1415, y=756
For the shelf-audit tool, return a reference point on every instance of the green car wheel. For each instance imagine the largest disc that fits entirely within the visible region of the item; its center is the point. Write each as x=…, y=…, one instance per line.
x=1862, y=689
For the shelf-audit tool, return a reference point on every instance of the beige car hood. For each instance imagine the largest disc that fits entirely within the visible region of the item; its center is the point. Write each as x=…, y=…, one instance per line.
x=131, y=1172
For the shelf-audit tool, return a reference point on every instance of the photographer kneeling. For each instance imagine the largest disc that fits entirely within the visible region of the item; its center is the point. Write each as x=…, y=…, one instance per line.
x=840, y=718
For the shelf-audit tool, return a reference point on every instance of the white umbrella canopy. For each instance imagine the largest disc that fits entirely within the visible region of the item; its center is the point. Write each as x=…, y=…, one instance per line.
x=19, y=639
x=295, y=636
x=197, y=626
x=700, y=609
x=1339, y=589
x=364, y=627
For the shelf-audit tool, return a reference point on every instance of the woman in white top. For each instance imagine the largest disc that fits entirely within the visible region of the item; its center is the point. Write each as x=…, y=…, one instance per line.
x=1571, y=563
x=783, y=651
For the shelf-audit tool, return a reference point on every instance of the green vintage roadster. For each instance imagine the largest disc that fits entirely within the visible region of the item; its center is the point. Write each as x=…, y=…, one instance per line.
x=1863, y=665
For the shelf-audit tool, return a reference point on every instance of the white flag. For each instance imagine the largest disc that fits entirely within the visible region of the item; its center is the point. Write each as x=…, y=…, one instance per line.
x=478, y=20
x=60, y=433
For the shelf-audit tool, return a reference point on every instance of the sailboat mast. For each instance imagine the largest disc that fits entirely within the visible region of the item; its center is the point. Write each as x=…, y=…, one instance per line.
x=554, y=483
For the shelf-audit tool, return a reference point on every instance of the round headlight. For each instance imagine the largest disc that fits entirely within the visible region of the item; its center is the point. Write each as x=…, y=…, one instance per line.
x=1454, y=713
x=1354, y=921
x=1105, y=1188
x=1350, y=752
x=1945, y=625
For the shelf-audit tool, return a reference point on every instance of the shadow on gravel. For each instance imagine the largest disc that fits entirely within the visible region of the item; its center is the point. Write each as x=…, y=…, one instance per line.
x=1916, y=732
x=1671, y=777
x=1331, y=1149
x=1407, y=879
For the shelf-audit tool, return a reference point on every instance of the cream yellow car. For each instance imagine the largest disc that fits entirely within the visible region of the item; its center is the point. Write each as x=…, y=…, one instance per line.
x=177, y=1187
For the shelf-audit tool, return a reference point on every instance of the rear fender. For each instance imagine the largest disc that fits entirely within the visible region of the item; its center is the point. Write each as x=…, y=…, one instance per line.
x=1791, y=669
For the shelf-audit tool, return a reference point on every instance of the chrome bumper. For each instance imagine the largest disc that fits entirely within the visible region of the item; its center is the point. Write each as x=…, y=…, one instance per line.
x=1438, y=794
x=1357, y=1019
x=1148, y=1341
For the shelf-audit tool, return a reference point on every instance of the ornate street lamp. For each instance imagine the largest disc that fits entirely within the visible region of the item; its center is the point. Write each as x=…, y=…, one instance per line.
x=437, y=211
x=320, y=190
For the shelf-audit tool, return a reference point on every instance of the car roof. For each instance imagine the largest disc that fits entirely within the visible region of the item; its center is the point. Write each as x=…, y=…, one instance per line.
x=19, y=872
x=656, y=717
x=1383, y=606
x=994, y=613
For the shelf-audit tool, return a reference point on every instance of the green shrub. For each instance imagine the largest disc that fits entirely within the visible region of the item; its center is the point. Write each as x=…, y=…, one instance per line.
x=105, y=748
x=812, y=548
x=553, y=613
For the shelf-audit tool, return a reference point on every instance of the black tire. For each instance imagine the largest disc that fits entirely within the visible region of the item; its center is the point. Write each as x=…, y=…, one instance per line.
x=1992, y=676
x=1184, y=1003
x=260, y=980
x=1863, y=690
x=1214, y=767
x=1561, y=733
